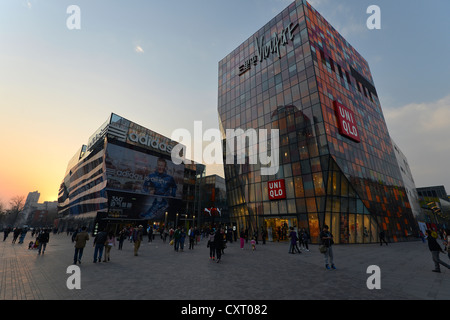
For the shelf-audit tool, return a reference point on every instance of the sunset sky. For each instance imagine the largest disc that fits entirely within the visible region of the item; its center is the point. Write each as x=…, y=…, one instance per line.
x=155, y=62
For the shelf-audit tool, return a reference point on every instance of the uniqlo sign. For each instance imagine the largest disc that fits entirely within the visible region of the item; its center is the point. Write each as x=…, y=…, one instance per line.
x=277, y=190
x=346, y=122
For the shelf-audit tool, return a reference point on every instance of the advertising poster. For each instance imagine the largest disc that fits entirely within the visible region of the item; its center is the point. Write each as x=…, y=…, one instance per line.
x=142, y=186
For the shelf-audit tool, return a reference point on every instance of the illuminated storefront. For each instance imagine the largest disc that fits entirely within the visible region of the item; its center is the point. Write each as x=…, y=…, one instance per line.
x=337, y=164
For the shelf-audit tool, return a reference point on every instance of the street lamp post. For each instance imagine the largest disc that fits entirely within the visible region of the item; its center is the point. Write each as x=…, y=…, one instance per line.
x=176, y=223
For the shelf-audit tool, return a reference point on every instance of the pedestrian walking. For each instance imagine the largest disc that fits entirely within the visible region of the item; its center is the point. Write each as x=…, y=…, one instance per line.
x=382, y=238
x=447, y=240
x=99, y=245
x=293, y=243
x=197, y=235
x=43, y=238
x=435, y=249
x=242, y=238
x=122, y=237
x=16, y=234
x=263, y=235
x=23, y=233
x=165, y=234
x=6, y=233
x=110, y=242
x=327, y=241
x=224, y=239
x=218, y=243
x=176, y=238
x=255, y=236
x=211, y=245
x=171, y=233
x=191, y=234
x=182, y=239
x=130, y=234
x=150, y=234
x=304, y=239
x=253, y=243
x=80, y=243
x=137, y=238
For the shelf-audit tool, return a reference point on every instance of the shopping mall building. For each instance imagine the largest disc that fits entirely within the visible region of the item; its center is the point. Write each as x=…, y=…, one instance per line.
x=125, y=176
x=337, y=165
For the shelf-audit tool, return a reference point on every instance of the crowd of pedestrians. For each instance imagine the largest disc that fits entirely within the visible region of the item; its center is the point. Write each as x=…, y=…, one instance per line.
x=216, y=238
x=216, y=243
x=103, y=242
x=41, y=237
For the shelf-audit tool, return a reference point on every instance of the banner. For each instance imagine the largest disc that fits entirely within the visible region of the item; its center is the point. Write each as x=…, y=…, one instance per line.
x=152, y=181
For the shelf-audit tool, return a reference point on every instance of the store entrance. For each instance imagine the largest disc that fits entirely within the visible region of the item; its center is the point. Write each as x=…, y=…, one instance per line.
x=278, y=228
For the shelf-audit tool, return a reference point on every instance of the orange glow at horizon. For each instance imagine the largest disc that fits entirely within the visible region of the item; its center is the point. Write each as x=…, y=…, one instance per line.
x=31, y=162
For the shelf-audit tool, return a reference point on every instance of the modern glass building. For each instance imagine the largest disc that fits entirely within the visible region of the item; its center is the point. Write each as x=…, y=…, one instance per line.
x=125, y=175
x=337, y=164
x=408, y=181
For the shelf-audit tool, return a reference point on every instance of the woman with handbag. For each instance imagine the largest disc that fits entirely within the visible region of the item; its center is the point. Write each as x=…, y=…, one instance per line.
x=326, y=248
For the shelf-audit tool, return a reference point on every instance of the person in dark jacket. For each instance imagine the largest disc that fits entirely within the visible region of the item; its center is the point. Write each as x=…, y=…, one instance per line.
x=6, y=233
x=43, y=239
x=16, y=233
x=435, y=249
x=293, y=246
x=218, y=243
x=99, y=244
x=382, y=236
x=327, y=240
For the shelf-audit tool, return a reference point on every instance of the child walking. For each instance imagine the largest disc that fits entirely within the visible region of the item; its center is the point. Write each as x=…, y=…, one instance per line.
x=253, y=242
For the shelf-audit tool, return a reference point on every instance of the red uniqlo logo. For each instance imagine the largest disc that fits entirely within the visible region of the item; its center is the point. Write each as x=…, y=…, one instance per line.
x=347, y=122
x=277, y=190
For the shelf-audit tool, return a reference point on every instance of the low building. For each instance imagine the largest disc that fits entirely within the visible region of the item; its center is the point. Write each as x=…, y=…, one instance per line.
x=125, y=176
x=436, y=207
x=213, y=200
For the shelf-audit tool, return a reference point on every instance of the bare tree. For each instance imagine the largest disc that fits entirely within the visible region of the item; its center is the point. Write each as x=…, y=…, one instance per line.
x=16, y=204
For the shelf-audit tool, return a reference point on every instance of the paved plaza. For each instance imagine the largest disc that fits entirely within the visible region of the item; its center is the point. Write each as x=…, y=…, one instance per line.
x=269, y=273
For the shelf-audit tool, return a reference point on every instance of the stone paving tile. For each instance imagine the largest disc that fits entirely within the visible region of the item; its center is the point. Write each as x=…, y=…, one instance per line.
x=269, y=273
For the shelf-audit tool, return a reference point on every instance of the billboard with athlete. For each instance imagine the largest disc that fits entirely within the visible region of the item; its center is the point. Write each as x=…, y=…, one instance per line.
x=146, y=185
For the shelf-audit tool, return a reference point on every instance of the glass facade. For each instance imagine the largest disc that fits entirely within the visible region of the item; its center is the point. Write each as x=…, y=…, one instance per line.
x=297, y=74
